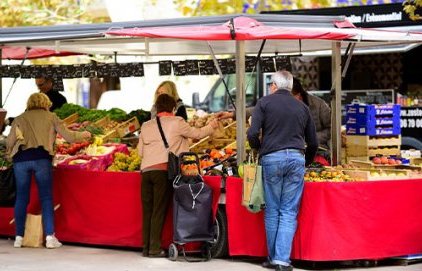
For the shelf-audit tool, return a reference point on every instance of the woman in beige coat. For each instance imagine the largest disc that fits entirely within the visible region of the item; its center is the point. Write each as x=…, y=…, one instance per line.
x=155, y=188
x=30, y=144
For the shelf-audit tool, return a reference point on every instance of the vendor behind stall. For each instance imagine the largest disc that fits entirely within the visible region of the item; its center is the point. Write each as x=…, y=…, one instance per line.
x=51, y=88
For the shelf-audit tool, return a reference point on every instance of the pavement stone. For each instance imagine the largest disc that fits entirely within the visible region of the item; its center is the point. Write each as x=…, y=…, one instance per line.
x=72, y=257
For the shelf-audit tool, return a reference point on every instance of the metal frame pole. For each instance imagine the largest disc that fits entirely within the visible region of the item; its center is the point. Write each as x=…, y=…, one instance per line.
x=336, y=104
x=240, y=101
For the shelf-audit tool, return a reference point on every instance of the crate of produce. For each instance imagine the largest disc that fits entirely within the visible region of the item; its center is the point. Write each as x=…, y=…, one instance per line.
x=377, y=174
x=373, y=130
x=128, y=127
x=372, y=110
x=218, y=140
x=106, y=124
x=71, y=119
x=372, y=141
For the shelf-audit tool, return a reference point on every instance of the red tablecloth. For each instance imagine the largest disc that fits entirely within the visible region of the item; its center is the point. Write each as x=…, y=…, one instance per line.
x=102, y=208
x=338, y=221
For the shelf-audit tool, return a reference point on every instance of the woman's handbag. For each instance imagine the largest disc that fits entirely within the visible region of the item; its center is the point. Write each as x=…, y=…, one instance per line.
x=173, y=160
x=253, y=188
x=7, y=187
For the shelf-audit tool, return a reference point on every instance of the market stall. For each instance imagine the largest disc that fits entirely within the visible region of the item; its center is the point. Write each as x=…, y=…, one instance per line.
x=338, y=221
x=99, y=208
x=104, y=207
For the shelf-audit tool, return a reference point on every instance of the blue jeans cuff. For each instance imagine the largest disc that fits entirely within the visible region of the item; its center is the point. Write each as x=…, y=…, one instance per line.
x=280, y=262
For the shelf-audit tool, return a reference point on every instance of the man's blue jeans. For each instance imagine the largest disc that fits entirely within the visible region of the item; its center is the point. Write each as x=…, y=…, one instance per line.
x=42, y=169
x=283, y=173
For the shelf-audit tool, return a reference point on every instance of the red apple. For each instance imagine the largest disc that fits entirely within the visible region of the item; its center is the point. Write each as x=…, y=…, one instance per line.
x=376, y=160
x=398, y=162
x=384, y=160
x=391, y=161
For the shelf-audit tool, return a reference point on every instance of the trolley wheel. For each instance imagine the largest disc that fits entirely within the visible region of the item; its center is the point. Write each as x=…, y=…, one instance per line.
x=219, y=248
x=173, y=252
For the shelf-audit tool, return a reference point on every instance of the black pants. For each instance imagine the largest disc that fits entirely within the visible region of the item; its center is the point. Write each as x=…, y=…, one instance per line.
x=156, y=193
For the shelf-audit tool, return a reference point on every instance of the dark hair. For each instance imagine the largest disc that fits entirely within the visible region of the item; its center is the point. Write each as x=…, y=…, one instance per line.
x=298, y=89
x=165, y=103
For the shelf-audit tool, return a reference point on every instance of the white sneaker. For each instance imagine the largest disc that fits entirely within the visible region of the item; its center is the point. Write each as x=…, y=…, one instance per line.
x=52, y=242
x=18, y=241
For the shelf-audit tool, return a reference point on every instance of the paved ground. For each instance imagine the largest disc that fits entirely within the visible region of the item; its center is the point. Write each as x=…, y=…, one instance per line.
x=79, y=258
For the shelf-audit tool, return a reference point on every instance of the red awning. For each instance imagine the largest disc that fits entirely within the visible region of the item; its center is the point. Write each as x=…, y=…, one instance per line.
x=244, y=29
x=9, y=52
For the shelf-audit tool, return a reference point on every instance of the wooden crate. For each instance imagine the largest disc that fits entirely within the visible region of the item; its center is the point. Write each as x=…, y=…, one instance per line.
x=349, y=159
x=372, y=141
x=102, y=122
x=360, y=163
x=210, y=142
x=416, y=161
x=371, y=152
x=71, y=119
x=382, y=174
x=128, y=127
x=110, y=135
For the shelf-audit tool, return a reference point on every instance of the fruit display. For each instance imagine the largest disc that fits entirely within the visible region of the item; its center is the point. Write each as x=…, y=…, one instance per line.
x=72, y=148
x=378, y=174
x=125, y=162
x=106, y=124
x=386, y=160
x=219, y=162
x=327, y=175
x=202, y=121
x=221, y=138
x=98, y=150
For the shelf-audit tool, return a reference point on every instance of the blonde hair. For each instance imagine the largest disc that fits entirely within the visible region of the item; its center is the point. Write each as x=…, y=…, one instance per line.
x=171, y=89
x=38, y=101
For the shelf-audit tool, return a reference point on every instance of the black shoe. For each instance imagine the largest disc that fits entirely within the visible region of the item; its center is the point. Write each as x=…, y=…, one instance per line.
x=160, y=254
x=283, y=268
x=268, y=264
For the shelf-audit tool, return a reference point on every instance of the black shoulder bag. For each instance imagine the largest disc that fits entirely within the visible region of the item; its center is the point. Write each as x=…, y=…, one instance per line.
x=7, y=187
x=173, y=159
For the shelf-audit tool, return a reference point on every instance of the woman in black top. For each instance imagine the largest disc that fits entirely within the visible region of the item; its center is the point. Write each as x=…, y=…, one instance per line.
x=169, y=88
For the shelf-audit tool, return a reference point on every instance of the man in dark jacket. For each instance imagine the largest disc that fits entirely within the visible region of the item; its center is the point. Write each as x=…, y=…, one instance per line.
x=286, y=126
x=320, y=112
x=45, y=85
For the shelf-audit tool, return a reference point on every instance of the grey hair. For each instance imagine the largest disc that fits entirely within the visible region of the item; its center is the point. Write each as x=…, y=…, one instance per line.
x=283, y=79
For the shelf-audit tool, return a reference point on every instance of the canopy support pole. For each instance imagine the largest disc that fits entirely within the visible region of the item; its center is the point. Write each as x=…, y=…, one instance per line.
x=220, y=73
x=349, y=54
x=240, y=101
x=336, y=104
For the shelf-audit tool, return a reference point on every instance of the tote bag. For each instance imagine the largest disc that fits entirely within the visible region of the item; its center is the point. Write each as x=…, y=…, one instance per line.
x=253, y=188
x=33, y=236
